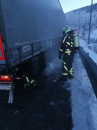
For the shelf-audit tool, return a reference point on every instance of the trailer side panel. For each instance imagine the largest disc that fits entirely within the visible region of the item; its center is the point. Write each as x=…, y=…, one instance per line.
x=28, y=20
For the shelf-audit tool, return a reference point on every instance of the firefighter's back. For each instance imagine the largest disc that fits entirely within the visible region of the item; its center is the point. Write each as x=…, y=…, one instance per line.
x=68, y=45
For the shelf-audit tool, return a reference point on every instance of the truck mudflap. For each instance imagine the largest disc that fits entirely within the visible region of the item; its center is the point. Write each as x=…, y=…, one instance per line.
x=6, y=93
x=2, y=57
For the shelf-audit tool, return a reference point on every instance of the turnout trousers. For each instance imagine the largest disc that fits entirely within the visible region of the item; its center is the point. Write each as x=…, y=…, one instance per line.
x=67, y=69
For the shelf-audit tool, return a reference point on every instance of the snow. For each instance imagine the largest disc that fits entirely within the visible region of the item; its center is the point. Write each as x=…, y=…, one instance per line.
x=93, y=47
x=84, y=102
x=85, y=46
x=92, y=54
x=94, y=34
x=83, y=99
x=82, y=43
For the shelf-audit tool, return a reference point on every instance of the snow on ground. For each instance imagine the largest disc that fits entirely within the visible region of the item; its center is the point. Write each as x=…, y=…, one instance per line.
x=84, y=102
x=83, y=99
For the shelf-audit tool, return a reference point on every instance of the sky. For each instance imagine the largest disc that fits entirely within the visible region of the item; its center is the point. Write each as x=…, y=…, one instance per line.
x=69, y=5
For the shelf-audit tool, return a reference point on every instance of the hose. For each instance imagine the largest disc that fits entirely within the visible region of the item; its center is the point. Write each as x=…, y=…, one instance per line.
x=30, y=96
x=18, y=102
x=51, y=91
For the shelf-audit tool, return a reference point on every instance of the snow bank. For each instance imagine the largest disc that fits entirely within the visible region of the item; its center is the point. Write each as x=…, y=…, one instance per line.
x=86, y=47
x=92, y=54
x=93, y=47
x=84, y=103
x=93, y=34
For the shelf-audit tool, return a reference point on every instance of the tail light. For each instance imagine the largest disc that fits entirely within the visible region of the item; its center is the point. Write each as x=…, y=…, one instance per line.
x=17, y=78
x=5, y=78
x=2, y=57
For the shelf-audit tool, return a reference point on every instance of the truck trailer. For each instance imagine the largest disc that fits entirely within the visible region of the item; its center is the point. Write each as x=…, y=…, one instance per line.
x=27, y=28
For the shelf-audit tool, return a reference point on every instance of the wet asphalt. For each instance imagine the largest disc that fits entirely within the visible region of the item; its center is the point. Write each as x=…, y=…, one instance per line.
x=48, y=108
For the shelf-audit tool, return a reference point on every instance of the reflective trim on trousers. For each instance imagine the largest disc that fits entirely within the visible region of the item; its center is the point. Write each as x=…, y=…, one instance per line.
x=71, y=71
x=65, y=68
x=61, y=50
x=27, y=79
x=64, y=62
x=32, y=81
x=26, y=85
x=64, y=73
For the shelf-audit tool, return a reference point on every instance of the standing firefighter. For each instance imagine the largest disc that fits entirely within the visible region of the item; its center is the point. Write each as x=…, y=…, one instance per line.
x=67, y=49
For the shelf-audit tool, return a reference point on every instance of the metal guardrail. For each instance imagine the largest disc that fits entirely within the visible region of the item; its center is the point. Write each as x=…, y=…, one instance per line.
x=90, y=67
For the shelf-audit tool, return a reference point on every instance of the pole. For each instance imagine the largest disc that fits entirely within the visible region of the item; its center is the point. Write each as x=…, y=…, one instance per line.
x=90, y=22
x=79, y=26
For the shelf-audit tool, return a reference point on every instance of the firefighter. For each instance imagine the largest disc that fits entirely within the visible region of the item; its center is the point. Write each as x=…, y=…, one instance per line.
x=29, y=83
x=67, y=50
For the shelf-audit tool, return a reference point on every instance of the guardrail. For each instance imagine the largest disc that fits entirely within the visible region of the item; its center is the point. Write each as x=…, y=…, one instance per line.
x=90, y=67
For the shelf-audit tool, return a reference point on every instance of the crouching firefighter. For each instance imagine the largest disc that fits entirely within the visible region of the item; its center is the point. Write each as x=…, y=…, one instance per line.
x=67, y=50
x=28, y=83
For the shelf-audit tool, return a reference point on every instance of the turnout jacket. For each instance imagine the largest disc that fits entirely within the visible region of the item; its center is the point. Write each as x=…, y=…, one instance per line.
x=67, y=46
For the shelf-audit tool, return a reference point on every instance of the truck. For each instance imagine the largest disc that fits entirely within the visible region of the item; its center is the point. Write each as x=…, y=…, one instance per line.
x=27, y=28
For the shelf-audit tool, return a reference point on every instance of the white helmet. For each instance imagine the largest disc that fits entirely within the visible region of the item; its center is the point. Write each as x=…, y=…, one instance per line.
x=66, y=29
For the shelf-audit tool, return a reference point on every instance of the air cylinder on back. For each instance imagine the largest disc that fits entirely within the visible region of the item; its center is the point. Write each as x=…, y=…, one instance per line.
x=75, y=39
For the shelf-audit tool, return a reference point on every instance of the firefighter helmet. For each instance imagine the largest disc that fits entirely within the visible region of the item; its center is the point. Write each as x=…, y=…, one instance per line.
x=66, y=29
